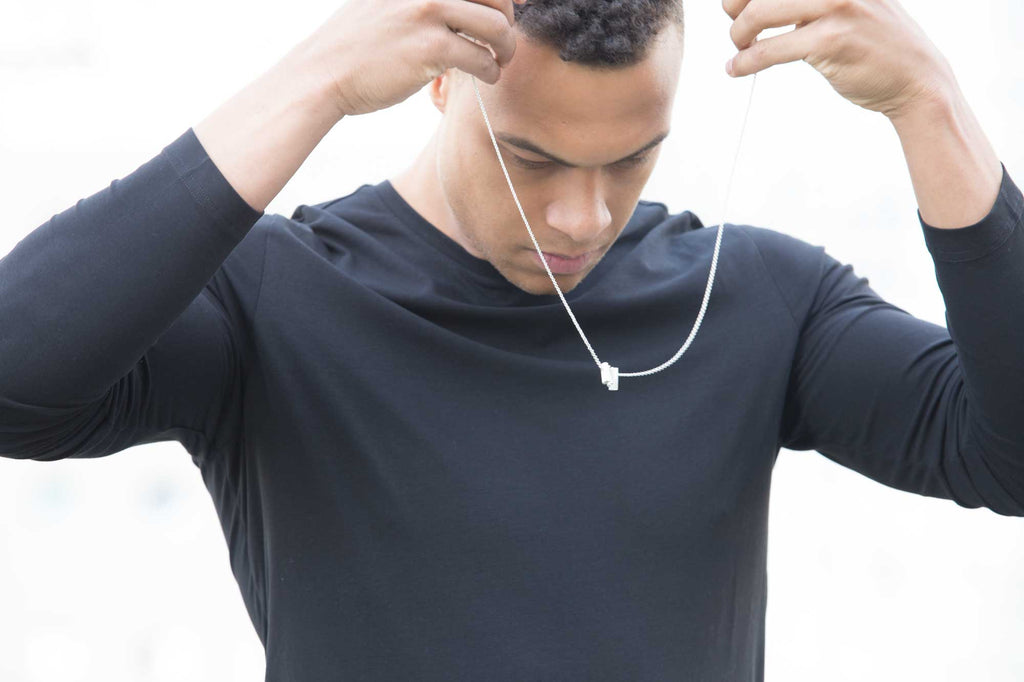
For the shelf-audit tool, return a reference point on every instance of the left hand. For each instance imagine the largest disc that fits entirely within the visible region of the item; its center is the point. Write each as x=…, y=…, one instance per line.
x=871, y=51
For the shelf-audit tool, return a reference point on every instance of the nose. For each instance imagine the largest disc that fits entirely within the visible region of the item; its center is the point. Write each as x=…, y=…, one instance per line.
x=579, y=210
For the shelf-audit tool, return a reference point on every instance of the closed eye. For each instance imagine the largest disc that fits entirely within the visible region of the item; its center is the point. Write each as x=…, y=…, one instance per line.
x=625, y=164
x=633, y=162
x=533, y=165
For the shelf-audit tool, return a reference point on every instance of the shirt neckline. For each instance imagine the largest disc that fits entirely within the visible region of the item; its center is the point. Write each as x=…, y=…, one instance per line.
x=430, y=233
x=482, y=272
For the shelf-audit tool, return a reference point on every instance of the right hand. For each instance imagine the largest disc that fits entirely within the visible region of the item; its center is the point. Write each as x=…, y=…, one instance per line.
x=377, y=53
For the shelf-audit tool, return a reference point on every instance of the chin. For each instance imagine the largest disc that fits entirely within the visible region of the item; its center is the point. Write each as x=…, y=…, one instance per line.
x=541, y=286
x=537, y=282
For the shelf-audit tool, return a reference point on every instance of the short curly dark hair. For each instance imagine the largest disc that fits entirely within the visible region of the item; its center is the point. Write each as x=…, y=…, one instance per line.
x=599, y=33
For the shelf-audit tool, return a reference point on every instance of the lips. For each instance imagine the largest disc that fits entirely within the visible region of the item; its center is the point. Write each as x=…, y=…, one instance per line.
x=562, y=264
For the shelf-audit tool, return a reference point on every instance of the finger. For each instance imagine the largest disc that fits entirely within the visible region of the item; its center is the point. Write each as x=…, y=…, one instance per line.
x=482, y=23
x=474, y=59
x=734, y=7
x=506, y=7
x=788, y=47
x=759, y=15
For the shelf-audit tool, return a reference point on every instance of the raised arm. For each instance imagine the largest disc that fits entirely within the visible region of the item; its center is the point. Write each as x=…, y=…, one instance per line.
x=118, y=323
x=899, y=399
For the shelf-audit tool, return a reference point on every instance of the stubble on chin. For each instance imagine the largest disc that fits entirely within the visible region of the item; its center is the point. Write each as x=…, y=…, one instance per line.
x=539, y=284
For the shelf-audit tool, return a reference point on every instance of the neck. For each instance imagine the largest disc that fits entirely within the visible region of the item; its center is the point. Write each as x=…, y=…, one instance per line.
x=420, y=186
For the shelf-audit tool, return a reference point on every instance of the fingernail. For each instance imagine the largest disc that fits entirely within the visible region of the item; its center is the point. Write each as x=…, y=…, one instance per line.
x=728, y=66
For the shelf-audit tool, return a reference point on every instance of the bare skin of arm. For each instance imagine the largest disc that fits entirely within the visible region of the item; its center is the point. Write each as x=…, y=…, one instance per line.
x=875, y=55
x=368, y=56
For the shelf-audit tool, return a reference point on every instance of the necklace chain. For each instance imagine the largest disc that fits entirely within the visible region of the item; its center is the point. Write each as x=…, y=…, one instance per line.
x=609, y=373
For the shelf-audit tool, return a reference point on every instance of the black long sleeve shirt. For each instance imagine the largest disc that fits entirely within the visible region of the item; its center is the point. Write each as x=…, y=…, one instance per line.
x=418, y=472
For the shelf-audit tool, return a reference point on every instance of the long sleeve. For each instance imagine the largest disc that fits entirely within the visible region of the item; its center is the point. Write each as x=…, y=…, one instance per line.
x=911, y=404
x=117, y=321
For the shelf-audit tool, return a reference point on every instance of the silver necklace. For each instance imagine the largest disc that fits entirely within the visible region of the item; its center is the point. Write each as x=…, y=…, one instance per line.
x=610, y=374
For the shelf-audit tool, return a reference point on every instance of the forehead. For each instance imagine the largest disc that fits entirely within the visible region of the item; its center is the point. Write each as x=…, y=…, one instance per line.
x=564, y=104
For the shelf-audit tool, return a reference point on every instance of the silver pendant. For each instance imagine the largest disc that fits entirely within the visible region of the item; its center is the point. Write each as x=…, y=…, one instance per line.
x=610, y=376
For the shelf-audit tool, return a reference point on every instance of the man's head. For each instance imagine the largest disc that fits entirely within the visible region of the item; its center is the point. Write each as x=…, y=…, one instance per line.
x=579, y=114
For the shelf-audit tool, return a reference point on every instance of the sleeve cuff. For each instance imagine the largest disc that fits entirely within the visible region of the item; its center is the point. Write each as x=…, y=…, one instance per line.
x=207, y=184
x=980, y=239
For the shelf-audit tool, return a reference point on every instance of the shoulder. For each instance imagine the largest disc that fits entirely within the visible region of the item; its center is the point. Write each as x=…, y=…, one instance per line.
x=317, y=229
x=806, y=274
x=779, y=250
x=776, y=251
x=793, y=265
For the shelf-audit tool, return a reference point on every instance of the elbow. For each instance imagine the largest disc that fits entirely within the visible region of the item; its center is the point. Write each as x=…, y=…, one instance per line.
x=42, y=433
x=988, y=471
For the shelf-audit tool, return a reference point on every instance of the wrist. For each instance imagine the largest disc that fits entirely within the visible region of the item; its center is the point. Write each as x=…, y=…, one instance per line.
x=260, y=136
x=955, y=172
x=928, y=104
x=316, y=86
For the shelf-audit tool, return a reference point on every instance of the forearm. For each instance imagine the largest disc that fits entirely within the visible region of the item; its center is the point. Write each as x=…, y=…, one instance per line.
x=953, y=167
x=970, y=211
x=261, y=136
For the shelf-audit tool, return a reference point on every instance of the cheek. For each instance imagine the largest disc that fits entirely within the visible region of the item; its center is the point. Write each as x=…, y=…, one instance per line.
x=489, y=208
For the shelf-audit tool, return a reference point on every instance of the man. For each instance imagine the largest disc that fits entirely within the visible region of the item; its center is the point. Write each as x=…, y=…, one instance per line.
x=418, y=472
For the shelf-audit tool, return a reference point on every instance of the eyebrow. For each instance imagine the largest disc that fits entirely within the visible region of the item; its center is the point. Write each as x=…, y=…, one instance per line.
x=523, y=143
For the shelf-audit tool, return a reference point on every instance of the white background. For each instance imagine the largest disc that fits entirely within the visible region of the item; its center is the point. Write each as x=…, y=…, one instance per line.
x=116, y=569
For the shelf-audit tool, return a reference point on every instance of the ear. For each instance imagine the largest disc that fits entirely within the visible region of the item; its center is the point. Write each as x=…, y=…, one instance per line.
x=440, y=88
